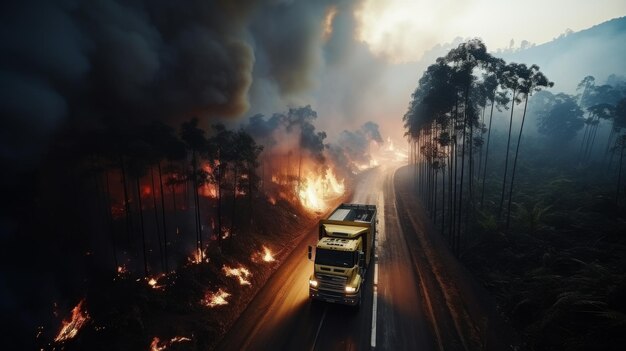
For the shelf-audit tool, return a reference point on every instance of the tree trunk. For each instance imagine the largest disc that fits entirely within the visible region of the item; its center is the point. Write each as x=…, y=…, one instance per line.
x=619, y=173
x=127, y=214
x=519, y=141
x=156, y=218
x=110, y=219
x=234, y=208
x=506, y=159
x=165, y=259
x=143, y=232
x=482, y=195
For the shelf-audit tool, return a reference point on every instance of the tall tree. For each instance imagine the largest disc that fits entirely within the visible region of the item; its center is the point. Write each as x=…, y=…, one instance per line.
x=195, y=141
x=532, y=80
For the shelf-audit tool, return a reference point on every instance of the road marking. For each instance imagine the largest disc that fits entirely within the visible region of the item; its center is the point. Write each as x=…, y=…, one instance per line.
x=374, y=307
x=319, y=327
x=376, y=274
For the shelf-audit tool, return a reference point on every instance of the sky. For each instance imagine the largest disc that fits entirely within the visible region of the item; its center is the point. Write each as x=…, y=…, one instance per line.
x=401, y=30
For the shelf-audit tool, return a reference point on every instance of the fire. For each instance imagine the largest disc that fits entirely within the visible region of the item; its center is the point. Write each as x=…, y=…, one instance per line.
x=153, y=282
x=213, y=299
x=267, y=257
x=314, y=188
x=225, y=234
x=156, y=344
x=198, y=256
x=121, y=270
x=72, y=326
x=241, y=273
x=272, y=200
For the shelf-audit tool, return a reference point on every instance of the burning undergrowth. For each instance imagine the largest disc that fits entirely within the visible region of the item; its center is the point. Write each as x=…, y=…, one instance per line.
x=191, y=307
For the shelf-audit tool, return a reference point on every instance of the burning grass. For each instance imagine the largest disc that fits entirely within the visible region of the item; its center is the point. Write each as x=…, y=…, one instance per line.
x=215, y=298
x=72, y=326
x=241, y=273
x=158, y=345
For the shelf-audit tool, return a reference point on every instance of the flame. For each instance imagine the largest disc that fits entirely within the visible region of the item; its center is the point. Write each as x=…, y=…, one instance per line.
x=267, y=257
x=272, y=200
x=225, y=233
x=314, y=188
x=241, y=273
x=72, y=326
x=213, y=299
x=153, y=282
x=122, y=270
x=146, y=190
x=208, y=190
x=198, y=256
x=156, y=344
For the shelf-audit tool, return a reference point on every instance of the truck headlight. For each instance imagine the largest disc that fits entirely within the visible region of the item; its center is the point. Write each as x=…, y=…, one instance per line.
x=313, y=283
x=350, y=289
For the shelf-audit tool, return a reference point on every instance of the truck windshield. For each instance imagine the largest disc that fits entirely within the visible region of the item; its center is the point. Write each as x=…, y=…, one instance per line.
x=334, y=258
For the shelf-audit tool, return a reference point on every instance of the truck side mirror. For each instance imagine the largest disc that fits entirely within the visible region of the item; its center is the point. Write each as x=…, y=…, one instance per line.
x=310, y=252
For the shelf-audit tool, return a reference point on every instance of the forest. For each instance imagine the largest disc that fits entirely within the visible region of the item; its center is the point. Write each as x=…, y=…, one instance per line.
x=532, y=199
x=160, y=222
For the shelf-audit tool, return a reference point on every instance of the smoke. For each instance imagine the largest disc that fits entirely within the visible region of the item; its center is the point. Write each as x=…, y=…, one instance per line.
x=87, y=64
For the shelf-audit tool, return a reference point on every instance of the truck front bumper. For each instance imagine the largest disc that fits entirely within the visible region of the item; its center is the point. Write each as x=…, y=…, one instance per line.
x=334, y=296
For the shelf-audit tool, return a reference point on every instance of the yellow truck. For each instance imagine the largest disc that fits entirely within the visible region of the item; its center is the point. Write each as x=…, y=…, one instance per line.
x=342, y=254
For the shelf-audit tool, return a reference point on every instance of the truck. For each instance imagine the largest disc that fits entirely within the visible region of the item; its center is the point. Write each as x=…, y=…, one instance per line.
x=342, y=254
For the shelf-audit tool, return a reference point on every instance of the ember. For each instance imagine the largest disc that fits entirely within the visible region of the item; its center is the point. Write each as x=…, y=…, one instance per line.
x=241, y=273
x=157, y=345
x=153, y=282
x=121, y=270
x=71, y=327
x=213, y=299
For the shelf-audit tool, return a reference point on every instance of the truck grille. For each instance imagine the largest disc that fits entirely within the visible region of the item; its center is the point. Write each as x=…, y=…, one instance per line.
x=332, y=282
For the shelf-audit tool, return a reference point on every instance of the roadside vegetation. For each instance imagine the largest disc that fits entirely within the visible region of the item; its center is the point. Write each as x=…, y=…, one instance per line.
x=535, y=208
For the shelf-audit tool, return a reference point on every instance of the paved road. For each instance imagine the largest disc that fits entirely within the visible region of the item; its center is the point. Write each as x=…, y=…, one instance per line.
x=281, y=317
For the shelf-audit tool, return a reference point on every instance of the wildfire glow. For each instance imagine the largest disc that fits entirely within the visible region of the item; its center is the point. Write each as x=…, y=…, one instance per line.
x=213, y=299
x=71, y=327
x=241, y=273
x=198, y=256
x=267, y=256
x=153, y=282
x=157, y=345
x=315, y=188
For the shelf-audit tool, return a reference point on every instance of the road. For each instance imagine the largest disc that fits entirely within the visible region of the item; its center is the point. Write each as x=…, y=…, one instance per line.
x=412, y=308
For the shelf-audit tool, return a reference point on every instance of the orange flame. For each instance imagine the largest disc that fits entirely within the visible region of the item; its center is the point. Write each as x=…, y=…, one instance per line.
x=241, y=273
x=72, y=326
x=198, y=256
x=213, y=299
x=267, y=257
x=314, y=188
x=153, y=282
x=156, y=344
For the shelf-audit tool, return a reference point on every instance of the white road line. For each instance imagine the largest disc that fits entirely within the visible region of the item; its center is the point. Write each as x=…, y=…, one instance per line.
x=374, y=306
x=317, y=333
x=376, y=274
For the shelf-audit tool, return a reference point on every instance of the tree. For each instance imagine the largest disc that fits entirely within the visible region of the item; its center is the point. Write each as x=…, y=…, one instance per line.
x=532, y=80
x=196, y=142
x=560, y=120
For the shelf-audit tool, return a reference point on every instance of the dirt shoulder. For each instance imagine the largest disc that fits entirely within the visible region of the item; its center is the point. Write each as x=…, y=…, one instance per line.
x=471, y=309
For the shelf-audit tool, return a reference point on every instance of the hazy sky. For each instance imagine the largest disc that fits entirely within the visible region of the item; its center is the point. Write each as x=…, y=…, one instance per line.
x=401, y=30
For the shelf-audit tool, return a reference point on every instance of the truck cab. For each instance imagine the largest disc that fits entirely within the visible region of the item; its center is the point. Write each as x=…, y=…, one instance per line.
x=342, y=254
